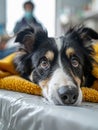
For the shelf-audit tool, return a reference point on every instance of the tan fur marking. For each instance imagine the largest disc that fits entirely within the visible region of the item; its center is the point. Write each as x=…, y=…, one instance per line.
x=83, y=81
x=43, y=83
x=49, y=55
x=31, y=76
x=20, y=53
x=78, y=81
x=70, y=51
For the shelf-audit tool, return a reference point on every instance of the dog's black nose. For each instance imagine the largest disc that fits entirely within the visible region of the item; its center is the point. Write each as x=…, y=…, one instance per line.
x=68, y=94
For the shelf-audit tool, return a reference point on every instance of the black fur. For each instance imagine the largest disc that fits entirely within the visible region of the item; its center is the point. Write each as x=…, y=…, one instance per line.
x=36, y=44
x=80, y=38
x=20, y=35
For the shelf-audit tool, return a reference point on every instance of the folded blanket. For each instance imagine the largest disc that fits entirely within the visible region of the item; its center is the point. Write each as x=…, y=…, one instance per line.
x=10, y=80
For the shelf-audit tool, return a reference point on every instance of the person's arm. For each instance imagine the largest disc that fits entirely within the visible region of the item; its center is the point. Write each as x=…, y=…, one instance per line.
x=17, y=28
x=6, y=52
x=37, y=22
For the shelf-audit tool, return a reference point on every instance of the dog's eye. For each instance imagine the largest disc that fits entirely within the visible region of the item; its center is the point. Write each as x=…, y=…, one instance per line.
x=74, y=62
x=44, y=63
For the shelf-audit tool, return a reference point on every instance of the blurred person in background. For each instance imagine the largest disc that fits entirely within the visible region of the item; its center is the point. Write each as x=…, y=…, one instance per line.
x=8, y=46
x=28, y=18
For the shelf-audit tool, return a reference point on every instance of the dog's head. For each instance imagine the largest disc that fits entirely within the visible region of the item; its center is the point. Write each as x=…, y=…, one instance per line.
x=60, y=66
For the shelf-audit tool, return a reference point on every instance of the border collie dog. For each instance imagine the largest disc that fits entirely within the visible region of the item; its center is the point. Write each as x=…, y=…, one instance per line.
x=60, y=66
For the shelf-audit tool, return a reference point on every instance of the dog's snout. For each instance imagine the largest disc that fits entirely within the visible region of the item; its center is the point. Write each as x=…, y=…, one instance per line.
x=67, y=94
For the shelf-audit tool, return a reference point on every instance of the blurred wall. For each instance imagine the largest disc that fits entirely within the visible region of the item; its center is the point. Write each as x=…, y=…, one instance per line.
x=2, y=16
x=14, y=12
x=45, y=12
x=71, y=8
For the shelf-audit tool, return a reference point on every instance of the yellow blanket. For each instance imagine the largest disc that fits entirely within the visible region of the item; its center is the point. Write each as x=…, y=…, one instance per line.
x=10, y=80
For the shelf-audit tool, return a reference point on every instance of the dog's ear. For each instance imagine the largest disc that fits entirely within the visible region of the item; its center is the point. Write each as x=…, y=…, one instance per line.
x=30, y=39
x=33, y=41
x=20, y=36
x=88, y=34
x=26, y=38
x=28, y=42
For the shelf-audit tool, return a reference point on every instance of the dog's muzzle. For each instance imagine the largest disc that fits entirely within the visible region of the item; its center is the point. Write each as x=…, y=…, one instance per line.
x=62, y=90
x=68, y=95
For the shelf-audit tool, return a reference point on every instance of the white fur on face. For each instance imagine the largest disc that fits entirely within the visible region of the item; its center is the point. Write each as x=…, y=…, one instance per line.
x=57, y=80
x=79, y=99
x=31, y=76
x=58, y=43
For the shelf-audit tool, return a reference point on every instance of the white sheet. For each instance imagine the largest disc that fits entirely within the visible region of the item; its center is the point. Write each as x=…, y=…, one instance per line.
x=19, y=111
